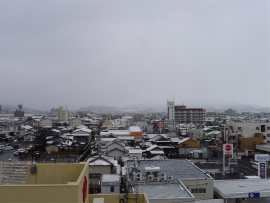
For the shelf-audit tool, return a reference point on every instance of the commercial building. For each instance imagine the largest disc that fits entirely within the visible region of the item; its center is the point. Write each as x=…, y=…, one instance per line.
x=169, y=172
x=181, y=114
x=236, y=190
x=63, y=114
x=135, y=131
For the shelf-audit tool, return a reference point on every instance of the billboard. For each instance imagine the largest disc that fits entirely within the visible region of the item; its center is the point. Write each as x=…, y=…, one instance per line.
x=261, y=157
x=160, y=124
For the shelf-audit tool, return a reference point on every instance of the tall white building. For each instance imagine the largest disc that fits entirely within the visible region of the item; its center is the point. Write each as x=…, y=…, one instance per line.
x=181, y=114
x=63, y=114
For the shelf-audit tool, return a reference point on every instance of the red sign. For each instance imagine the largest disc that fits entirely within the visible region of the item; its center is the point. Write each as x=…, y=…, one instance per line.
x=84, y=189
x=228, y=147
x=262, y=170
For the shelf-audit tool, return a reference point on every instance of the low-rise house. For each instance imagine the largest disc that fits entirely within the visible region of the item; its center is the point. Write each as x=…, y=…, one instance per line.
x=186, y=145
x=82, y=135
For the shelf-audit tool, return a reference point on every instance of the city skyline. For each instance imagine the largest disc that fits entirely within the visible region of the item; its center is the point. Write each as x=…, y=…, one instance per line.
x=119, y=53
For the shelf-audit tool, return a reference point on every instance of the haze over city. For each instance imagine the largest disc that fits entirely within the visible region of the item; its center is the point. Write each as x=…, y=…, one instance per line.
x=120, y=53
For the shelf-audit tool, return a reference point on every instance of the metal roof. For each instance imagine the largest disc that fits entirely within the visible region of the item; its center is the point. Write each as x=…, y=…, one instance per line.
x=180, y=169
x=164, y=191
x=242, y=188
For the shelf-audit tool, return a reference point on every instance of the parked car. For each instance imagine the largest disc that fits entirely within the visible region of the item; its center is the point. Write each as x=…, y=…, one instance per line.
x=16, y=153
x=255, y=165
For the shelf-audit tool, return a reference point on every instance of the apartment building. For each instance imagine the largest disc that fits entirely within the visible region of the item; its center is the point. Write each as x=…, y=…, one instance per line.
x=249, y=130
x=63, y=114
x=181, y=114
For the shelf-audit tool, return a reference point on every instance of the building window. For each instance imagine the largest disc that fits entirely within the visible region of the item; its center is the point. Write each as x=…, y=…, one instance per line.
x=198, y=190
x=239, y=128
x=268, y=127
x=268, y=135
x=254, y=143
x=257, y=128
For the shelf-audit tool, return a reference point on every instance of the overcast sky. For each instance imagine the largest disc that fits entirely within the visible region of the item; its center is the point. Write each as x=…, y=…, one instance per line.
x=80, y=53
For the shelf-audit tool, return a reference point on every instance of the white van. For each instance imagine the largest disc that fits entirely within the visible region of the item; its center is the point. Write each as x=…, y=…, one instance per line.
x=255, y=165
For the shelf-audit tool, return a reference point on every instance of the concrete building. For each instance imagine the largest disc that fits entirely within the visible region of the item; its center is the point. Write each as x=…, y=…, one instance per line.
x=170, y=172
x=135, y=131
x=181, y=114
x=19, y=114
x=63, y=114
x=57, y=183
x=76, y=122
x=45, y=122
x=110, y=184
x=248, y=130
x=11, y=116
x=236, y=190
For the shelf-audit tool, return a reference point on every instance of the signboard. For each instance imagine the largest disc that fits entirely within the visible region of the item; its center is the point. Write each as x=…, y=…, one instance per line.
x=261, y=157
x=262, y=170
x=228, y=149
x=253, y=194
x=233, y=162
x=233, y=165
x=160, y=124
x=110, y=183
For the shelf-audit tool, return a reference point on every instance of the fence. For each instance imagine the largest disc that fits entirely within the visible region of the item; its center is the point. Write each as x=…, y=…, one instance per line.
x=13, y=173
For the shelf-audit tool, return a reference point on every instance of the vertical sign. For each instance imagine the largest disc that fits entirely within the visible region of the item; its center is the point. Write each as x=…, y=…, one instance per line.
x=261, y=158
x=227, y=151
x=262, y=170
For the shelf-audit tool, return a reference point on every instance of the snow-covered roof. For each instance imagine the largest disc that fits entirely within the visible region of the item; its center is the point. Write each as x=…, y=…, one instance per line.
x=83, y=129
x=81, y=126
x=134, y=129
x=126, y=138
x=184, y=140
x=152, y=147
x=107, y=139
x=49, y=137
x=157, y=152
x=27, y=127
x=215, y=132
x=102, y=161
x=135, y=151
x=175, y=139
x=49, y=142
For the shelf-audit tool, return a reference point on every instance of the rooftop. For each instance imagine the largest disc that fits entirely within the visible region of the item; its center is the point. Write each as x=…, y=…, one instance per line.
x=164, y=191
x=180, y=169
x=242, y=188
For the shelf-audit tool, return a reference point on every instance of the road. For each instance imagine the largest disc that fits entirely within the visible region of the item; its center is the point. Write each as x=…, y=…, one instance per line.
x=244, y=166
x=8, y=156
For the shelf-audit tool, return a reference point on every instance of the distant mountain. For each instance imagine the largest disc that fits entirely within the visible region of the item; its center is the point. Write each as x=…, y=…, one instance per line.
x=137, y=108
x=13, y=107
x=239, y=108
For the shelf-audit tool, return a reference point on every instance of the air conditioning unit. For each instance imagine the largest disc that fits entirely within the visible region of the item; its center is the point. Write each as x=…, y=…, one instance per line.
x=150, y=178
x=163, y=177
x=170, y=178
x=156, y=178
x=137, y=177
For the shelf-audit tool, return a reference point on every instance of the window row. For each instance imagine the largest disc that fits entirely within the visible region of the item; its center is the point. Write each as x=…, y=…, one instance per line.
x=198, y=190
